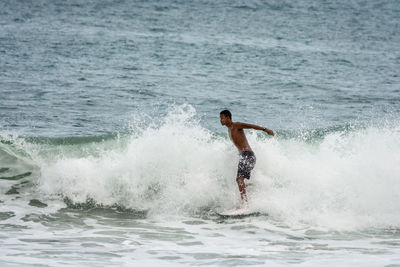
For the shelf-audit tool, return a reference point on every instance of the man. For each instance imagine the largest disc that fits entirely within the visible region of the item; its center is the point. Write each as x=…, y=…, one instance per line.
x=247, y=159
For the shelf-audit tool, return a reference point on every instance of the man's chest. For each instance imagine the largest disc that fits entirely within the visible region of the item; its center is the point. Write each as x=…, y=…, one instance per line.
x=235, y=133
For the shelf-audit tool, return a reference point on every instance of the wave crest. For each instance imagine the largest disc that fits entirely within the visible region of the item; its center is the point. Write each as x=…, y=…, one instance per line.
x=342, y=178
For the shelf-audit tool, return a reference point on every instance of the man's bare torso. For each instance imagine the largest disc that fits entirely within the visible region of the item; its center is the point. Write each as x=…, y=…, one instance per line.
x=238, y=137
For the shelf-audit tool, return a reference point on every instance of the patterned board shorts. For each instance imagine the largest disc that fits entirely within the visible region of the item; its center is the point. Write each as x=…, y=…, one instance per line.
x=247, y=160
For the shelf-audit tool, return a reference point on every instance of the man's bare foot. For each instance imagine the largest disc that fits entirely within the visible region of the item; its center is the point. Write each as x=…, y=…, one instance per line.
x=243, y=205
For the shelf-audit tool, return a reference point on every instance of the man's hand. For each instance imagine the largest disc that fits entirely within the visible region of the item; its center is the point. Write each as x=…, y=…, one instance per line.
x=270, y=132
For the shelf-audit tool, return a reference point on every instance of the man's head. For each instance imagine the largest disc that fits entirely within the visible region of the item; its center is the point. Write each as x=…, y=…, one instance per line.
x=225, y=117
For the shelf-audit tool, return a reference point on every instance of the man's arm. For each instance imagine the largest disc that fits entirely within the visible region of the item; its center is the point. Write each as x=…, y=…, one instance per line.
x=243, y=125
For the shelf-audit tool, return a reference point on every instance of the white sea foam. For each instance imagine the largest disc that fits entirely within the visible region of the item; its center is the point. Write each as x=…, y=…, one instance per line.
x=177, y=166
x=346, y=180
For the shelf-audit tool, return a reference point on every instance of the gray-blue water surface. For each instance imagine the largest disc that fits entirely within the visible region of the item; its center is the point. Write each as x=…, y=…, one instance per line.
x=70, y=68
x=74, y=74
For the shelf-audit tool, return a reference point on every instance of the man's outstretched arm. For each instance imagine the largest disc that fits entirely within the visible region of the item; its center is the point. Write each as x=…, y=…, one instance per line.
x=255, y=127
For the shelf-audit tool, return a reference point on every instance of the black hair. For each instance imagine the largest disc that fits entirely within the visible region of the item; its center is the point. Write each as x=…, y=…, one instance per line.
x=226, y=113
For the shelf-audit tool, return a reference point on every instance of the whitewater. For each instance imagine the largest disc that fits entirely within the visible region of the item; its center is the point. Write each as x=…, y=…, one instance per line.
x=156, y=192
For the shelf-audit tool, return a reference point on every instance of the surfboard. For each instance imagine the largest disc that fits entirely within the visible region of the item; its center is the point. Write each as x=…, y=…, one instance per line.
x=238, y=213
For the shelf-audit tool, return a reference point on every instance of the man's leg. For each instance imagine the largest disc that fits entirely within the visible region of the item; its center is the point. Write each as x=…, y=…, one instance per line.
x=242, y=189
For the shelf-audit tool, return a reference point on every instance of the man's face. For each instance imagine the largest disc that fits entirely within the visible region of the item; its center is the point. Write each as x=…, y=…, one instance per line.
x=223, y=119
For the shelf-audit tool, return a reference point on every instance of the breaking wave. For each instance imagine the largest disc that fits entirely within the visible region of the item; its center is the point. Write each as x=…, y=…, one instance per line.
x=341, y=178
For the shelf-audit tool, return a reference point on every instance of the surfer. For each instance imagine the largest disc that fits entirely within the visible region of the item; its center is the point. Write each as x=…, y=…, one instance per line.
x=247, y=158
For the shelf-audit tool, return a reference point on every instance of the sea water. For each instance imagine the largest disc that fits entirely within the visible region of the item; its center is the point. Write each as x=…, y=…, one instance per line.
x=112, y=153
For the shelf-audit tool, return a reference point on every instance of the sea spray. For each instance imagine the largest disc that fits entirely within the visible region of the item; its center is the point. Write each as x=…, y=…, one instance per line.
x=339, y=178
x=175, y=167
x=347, y=180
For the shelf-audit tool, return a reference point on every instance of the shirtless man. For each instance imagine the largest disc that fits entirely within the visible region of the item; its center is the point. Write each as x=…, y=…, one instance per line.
x=247, y=159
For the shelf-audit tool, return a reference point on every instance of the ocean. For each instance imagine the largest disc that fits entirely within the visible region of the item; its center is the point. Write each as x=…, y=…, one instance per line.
x=112, y=152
